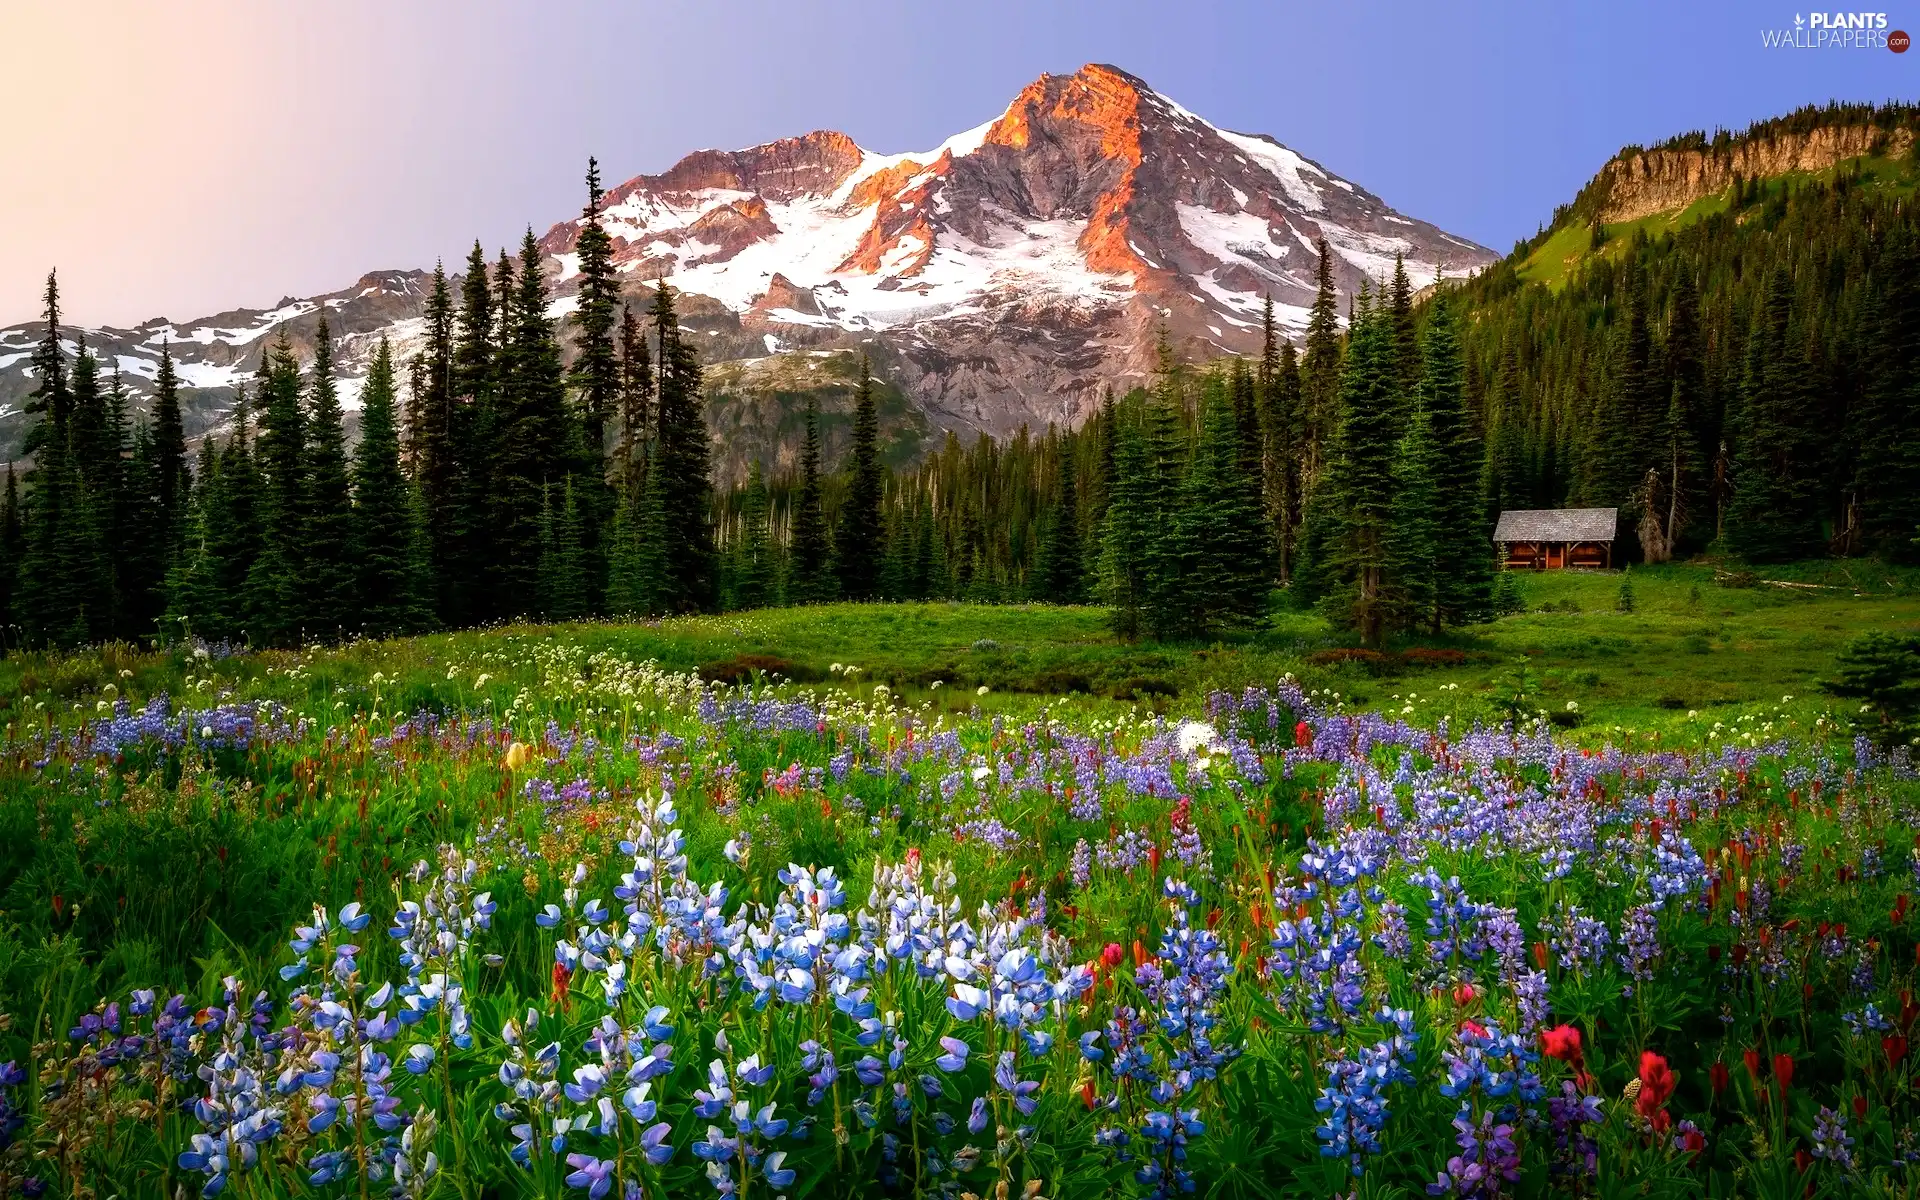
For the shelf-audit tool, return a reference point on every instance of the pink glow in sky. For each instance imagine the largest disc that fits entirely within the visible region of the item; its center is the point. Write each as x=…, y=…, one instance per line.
x=184, y=158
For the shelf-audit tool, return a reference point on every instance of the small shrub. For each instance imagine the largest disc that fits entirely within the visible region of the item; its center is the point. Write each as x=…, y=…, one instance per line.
x=1061, y=681
x=1669, y=702
x=1372, y=660
x=1144, y=687
x=743, y=667
x=1424, y=656
x=1626, y=602
x=1883, y=670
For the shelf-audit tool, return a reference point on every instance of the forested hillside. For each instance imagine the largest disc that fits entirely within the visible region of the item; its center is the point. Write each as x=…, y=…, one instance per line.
x=1738, y=370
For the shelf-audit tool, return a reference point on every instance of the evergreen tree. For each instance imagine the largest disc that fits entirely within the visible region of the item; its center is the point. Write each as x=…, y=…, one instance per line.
x=87, y=553
x=753, y=569
x=858, y=544
x=171, y=480
x=1359, y=481
x=1774, y=515
x=445, y=364
x=1059, y=570
x=534, y=440
x=1887, y=427
x=1509, y=481
x=1128, y=527
x=1414, y=531
x=562, y=575
x=390, y=590
x=140, y=535
x=326, y=566
x=232, y=513
x=1227, y=536
x=1280, y=428
x=682, y=453
x=275, y=606
x=47, y=602
x=596, y=380
x=12, y=545
x=1406, y=346
x=196, y=605
x=808, y=554
x=653, y=583
x=1678, y=493
x=1169, y=601
x=1319, y=372
x=636, y=407
x=1462, y=549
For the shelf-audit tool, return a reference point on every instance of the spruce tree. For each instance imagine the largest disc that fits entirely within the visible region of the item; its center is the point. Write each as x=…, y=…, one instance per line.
x=1679, y=460
x=857, y=545
x=196, y=605
x=1359, y=480
x=808, y=554
x=534, y=440
x=12, y=545
x=169, y=452
x=233, y=513
x=1462, y=545
x=447, y=362
x=596, y=383
x=1414, y=531
x=1319, y=371
x=1774, y=514
x=87, y=550
x=1128, y=526
x=682, y=453
x=1060, y=568
x=653, y=583
x=1887, y=426
x=636, y=407
x=275, y=605
x=1171, y=551
x=389, y=586
x=326, y=566
x=1227, y=535
x=753, y=568
x=47, y=602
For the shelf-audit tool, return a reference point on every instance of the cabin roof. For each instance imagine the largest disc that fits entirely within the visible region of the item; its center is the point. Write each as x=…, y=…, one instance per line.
x=1557, y=525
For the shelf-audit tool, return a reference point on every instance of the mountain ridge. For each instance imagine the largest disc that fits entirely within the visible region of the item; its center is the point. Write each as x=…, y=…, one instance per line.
x=1006, y=277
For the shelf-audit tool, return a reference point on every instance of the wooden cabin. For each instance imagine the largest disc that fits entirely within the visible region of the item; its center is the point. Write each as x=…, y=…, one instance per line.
x=1553, y=539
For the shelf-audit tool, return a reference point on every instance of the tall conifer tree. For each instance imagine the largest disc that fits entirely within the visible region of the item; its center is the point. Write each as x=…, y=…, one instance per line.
x=326, y=566
x=386, y=542
x=858, y=548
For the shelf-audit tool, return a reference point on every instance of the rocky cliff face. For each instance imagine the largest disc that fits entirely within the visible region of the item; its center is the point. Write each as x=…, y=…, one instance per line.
x=1007, y=276
x=1643, y=183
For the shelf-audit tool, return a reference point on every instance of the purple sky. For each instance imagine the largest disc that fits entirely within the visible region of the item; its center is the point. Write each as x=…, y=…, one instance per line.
x=182, y=158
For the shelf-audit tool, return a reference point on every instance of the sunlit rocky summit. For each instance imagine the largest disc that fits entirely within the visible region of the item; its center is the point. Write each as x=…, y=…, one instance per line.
x=1005, y=277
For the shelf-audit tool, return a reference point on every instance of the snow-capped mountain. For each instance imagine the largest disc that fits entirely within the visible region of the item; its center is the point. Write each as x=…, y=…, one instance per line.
x=1005, y=277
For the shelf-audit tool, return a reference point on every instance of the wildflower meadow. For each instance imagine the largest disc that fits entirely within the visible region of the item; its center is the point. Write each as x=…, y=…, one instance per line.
x=561, y=922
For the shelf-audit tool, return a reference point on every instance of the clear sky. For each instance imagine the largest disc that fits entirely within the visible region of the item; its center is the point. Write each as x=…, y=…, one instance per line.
x=185, y=157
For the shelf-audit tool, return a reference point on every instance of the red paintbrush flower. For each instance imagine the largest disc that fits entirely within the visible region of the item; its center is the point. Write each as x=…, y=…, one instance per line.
x=1783, y=1071
x=1562, y=1042
x=1718, y=1076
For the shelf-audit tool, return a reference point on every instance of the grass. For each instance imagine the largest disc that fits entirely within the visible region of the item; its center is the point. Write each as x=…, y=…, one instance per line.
x=1692, y=645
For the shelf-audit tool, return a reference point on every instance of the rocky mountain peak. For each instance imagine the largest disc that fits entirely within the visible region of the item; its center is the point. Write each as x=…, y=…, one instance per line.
x=1008, y=276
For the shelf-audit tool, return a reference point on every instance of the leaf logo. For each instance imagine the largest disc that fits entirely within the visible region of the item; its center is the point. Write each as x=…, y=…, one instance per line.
x=1798, y=20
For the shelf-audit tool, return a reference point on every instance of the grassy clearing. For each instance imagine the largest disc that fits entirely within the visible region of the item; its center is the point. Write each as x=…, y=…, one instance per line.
x=1694, y=651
